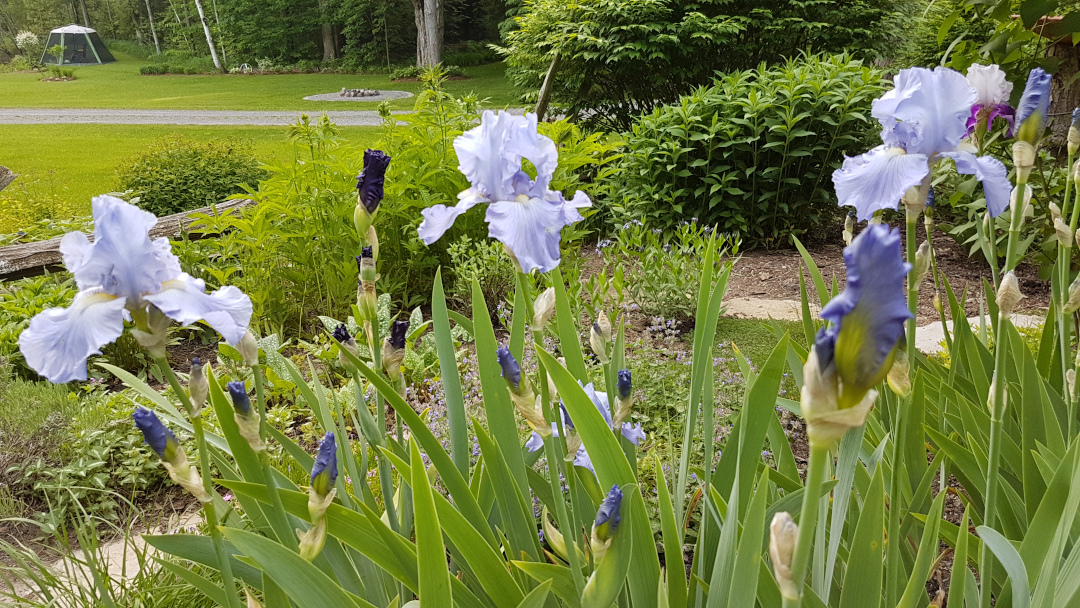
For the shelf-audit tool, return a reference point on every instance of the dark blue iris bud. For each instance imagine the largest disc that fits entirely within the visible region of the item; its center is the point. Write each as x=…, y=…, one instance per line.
x=397, y=333
x=358, y=262
x=155, y=434
x=930, y=199
x=365, y=253
x=825, y=346
x=566, y=417
x=624, y=384
x=241, y=401
x=195, y=362
x=607, y=517
x=341, y=333
x=511, y=371
x=369, y=183
x=324, y=472
x=1076, y=118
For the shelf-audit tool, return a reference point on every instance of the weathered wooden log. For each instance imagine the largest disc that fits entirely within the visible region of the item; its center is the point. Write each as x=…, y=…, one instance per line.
x=6, y=177
x=32, y=259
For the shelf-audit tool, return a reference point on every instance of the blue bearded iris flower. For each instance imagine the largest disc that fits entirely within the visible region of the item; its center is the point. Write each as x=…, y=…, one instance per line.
x=122, y=272
x=632, y=432
x=324, y=472
x=1033, y=107
x=855, y=352
x=923, y=119
x=522, y=213
x=607, y=516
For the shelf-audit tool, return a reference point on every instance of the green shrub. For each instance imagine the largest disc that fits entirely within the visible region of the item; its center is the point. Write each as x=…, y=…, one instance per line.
x=481, y=260
x=622, y=59
x=178, y=174
x=412, y=71
x=753, y=154
x=22, y=299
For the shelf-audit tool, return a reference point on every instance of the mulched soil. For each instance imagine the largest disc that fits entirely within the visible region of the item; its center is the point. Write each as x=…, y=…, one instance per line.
x=774, y=274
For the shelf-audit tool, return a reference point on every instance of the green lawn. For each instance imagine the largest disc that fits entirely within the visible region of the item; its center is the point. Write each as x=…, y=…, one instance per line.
x=78, y=160
x=119, y=85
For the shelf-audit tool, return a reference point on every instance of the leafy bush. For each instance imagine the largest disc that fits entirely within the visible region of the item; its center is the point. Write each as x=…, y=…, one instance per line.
x=178, y=174
x=482, y=261
x=31, y=205
x=753, y=154
x=411, y=71
x=620, y=59
x=472, y=54
x=129, y=47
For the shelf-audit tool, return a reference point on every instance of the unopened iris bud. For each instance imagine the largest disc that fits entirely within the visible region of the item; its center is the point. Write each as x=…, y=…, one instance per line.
x=151, y=331
x=1074, y=131
x=1076, y=173
x=922, y=265
x=899, y=377
x=320, y=494
x=607, y=520
x=247, y=420
x=600, y=337
x=1032, y=110
x=198, y=386
x=348, y=343
x=937, y=302
x=1025, y=205
x=369, y=190
x=1061, y=230
x=527, y=403
x=168, y=448
x=573, y=441
x=624, y=403
x=367, y=301
x=1073, y=303
x=543, y=308
x=914, y=202
x=393, y=352
x=1023, y=160
x=1008, y=295
x=249, y=349
x=849, y=228
x=782, y=535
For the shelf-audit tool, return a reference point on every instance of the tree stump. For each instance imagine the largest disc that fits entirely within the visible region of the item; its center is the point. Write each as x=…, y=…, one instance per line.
x=1063, y=98
x=6, y=177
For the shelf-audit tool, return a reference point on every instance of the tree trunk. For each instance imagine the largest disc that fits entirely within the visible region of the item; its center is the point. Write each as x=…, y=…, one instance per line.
x=209, y=38
x=153, y=32
x=1062, y=98
x=329, y=40
x=429, y=32
x=85, y=15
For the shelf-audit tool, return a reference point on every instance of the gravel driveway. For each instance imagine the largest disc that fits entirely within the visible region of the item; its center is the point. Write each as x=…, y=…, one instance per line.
x=38, y=116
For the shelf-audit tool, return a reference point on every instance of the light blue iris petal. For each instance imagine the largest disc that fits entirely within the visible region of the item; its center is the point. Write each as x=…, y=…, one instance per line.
x=1036, y=98
x=993, y=175
x=535, y=442
x=122, y=259
x=600, y=400
x=581, y=459
x=530, y=229
x=926, y=112
x=633, y=432
x=870, y=313
x=481, y=157
x=878, y=179
x=439, y=218
x=59, y=340
x=524, y=141
x=184, y=300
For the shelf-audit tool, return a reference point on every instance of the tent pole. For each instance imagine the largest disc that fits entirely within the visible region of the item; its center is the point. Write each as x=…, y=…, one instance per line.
x=90, y=43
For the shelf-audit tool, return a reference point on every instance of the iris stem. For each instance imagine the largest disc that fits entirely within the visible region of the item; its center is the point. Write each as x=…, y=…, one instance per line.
x=554, y=447
x=282, y=527
x=815, y=477
x=1064, y=322
x=224, y=566
x=997, y=405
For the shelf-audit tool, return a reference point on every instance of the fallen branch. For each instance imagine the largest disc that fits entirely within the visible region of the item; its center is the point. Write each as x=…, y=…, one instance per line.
x=6, y=177
x=34, y=258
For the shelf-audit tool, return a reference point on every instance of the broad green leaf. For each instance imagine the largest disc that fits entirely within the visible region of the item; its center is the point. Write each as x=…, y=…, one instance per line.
x=1011, y=561
x=430, y=552
x=559, y=577
x=451, y=379
x=673, y=554
x=538, y=597
x=748, y=557
x=569, y=340
x=865, y=564
x=916, y=586
x=207, y=587
x=303, y=582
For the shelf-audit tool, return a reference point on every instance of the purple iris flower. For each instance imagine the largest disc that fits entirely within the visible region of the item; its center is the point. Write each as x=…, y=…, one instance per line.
x=632, y=432
x=1034, y=105
x=369, y=184
x=397, y=333
x=122, y=272
x=157, y=435
x=923, y=119
x=868, y=316
x=522, y=213
x=324, y=472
